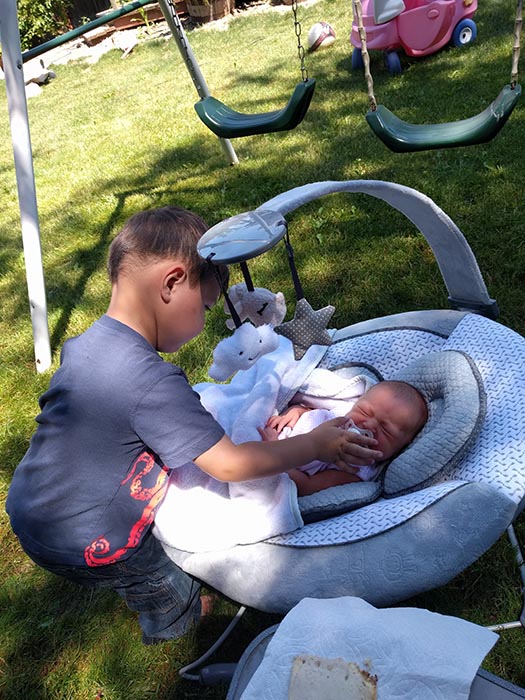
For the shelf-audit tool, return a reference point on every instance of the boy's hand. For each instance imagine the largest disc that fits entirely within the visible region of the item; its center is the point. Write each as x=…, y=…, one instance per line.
x=287, y=419
x=344, y=448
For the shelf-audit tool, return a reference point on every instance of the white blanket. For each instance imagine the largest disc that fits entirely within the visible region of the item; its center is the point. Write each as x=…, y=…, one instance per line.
x=201, y=514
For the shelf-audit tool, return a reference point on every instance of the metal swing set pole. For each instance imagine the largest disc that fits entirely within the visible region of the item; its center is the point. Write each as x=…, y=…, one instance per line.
x=18, y=117
x=174, y=23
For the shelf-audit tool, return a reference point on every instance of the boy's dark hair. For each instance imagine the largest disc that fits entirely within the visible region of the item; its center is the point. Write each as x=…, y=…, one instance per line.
x=159, y=233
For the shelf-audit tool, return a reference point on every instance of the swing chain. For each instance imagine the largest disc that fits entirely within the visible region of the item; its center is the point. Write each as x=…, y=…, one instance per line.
x=300, y=47
x=182, y=40
x=517, y=43
x=358, y=14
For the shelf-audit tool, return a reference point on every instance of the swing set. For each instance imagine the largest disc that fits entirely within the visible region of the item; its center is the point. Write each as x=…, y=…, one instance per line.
x=403, y=137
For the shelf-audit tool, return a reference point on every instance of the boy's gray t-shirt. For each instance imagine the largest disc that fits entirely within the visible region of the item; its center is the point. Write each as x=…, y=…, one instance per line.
x=113, y=423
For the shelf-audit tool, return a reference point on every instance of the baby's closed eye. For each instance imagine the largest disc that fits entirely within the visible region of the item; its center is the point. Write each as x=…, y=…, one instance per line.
x=386, y=430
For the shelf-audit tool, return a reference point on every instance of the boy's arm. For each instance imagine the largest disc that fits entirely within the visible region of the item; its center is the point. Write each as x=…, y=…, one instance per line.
x=227, y=461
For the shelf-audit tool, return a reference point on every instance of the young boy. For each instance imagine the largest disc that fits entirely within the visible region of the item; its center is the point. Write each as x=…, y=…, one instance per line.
x=117, y=419
x=392, y=411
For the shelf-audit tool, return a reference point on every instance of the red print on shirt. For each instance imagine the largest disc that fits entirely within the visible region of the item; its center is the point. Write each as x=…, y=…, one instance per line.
x=99, y=553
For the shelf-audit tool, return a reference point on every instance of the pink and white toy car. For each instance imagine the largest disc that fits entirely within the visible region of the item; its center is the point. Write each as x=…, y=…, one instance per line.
x=419, y=27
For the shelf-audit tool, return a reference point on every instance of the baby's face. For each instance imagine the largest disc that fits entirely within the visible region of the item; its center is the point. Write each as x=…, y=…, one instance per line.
x=394, y=421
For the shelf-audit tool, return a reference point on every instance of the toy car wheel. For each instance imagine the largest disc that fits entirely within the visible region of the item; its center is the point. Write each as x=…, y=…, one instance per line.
x=464, y=33
x=393, y=63
x=357, y=59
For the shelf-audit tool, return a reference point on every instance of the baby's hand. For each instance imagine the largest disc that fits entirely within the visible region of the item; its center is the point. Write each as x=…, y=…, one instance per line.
x=287, y=419
x=268, y=434
x=343, y=447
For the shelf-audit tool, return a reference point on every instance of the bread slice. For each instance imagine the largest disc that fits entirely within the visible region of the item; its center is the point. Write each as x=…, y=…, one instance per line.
x=316, y=678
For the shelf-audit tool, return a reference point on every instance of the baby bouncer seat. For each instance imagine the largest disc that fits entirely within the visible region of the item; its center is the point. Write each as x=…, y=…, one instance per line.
x=449, y=496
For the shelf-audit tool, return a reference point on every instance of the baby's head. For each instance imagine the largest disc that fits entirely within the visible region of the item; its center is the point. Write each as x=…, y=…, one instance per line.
x=157, y=234
x=394, y=412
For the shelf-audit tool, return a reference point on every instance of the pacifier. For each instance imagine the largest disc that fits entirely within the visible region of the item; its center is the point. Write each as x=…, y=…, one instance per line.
x=352, y=427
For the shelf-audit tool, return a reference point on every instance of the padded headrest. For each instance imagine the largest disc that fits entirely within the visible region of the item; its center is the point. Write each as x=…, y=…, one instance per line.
x=453, y=389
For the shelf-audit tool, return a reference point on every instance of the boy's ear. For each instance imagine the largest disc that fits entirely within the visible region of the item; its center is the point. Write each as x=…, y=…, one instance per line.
x=174, y=276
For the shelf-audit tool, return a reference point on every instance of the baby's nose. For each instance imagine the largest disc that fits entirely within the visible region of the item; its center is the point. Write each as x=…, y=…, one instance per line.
x=369, y=424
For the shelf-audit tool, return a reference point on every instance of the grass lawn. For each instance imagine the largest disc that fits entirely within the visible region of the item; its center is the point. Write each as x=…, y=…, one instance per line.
x=122, y=135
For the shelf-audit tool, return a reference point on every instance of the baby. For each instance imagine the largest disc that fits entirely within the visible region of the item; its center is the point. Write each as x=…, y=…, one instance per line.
x=387, y=417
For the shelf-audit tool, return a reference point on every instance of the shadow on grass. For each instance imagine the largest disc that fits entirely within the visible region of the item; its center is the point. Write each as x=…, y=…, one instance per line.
x=61, y=640
x=50, y=626
x=88, y=261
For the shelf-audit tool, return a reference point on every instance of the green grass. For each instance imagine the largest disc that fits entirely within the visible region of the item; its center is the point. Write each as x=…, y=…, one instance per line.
x=121, y=135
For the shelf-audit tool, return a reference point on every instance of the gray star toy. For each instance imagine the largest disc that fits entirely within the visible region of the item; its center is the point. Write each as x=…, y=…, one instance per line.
x=308, y=327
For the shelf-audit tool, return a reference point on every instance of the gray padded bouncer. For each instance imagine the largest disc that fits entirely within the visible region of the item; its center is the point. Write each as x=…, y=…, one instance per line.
x=443, y=502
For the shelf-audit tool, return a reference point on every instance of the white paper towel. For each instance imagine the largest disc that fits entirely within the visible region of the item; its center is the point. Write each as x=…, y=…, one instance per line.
x=415, y=654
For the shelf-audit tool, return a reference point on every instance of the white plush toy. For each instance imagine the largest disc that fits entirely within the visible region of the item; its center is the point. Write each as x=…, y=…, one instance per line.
x=241, y=349
x=260, y=306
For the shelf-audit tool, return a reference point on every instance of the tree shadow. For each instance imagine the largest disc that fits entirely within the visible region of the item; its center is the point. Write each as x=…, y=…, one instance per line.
x=54, y=628
x=49, y=618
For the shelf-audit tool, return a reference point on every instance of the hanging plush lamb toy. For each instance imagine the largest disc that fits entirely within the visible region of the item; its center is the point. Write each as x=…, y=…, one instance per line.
x=261, y=309
x=258, y=305
x=241, y=350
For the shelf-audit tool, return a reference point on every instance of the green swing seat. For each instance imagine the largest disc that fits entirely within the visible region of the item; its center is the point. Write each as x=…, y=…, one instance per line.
x=403, y=137
x=229, y=124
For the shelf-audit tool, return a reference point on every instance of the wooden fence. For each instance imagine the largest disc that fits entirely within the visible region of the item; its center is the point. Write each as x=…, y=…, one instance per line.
x=80, y=10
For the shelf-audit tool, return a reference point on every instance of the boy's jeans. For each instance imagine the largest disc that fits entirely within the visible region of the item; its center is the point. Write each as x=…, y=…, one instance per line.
x=166, y=598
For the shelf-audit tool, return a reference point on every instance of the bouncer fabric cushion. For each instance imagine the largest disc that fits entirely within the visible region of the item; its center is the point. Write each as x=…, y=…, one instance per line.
x=453, y=389
x=338, y=500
